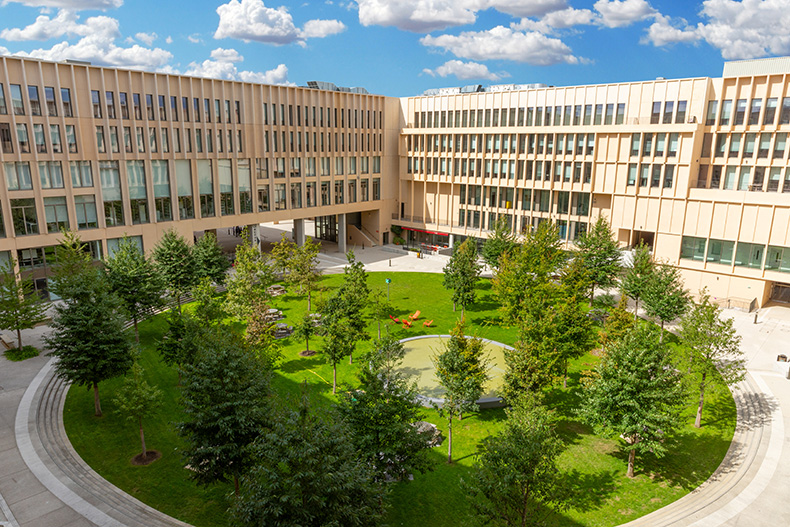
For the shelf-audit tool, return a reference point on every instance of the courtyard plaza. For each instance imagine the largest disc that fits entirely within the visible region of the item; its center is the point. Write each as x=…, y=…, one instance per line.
x=43, y=483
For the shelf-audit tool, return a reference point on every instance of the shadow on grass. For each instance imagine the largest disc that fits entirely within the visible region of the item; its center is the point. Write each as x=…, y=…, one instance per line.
x=588, y=491
x=302, y=363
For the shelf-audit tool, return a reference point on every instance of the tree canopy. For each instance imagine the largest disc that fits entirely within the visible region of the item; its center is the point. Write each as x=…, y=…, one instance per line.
x=665, y=298
x=210, y=260
x=20, y=306
x=637, y=275
x=500, y=241
x=598, y=249
x=176, y=263
x=461, y=274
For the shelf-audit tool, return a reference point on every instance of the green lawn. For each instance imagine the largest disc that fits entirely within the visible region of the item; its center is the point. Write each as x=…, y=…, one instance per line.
x=595, y=466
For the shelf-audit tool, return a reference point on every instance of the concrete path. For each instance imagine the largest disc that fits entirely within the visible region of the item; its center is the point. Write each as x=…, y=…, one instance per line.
x=43, y=483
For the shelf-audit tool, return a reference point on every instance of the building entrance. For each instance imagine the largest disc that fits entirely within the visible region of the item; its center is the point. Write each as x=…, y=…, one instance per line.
x=781, y=293
x=326, y=228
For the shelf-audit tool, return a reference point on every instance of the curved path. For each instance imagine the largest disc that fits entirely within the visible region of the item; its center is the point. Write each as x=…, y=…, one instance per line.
x=43, y=483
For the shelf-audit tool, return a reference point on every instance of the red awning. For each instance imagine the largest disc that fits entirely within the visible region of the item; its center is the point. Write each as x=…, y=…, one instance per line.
x=427, y=232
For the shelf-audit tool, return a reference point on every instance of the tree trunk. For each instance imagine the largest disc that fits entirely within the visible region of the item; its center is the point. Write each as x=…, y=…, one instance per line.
x=178, y=300
x=307, y=343
x=450, y=440
x=19, y=338
x=631, y=457
x=142, y=437
x=661, y=338
x=136, y=331
x=698, y=421
x=309, y=303
x=379, y=329
x=351, y=358
x=463, y=312
x=96, y=402
x=592, y=294
x=334, y=378
x=636, y=309
x=236, y=484
x=453, y=306
x=565, y=376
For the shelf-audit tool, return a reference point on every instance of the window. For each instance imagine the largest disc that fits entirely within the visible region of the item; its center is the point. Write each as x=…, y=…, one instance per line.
x=692, y=248
x=3, y=107
x=669, y=108
x=206, y=188
x=280, y=202
x=138, y=196
x=338, y=193
x=81, y=175
x=96, y=101
x=140, y=134
x=673, y=145
x=22, y=138
x=749, y=255
x=655, y=116
x=162, y=108
x=16, y=99
x=56, y=214
x=160, y=176
x=784, y=117
x=51, y=174
x=23, y=214
x=65, y=99
x=620, y=118
x=710, y=118
x=110, y=97
x=647, y=144
x=38, y=136
x=17, y=175
x=770, y=110
x=735, y=145
x=655, y=180
x=754, y=112
x=174, y=108
x=669, y=174
x=720, y=251
x=101, y=147
x=196, y=109
x=86, y=212
x=6, y=138
x=114, y=144
x=225, y=173
x=726, y=112
x=376, y=189
x=35, y=103
x=149, y=106
x=631, y=175
x=122, y=99
x=609, y=114
x=245, y=186
x=680, y=116
x=52, y=106
x=186, y=207
x=138, y=112
x=54, y=137
x=598, y=113
x=127, y=139
x=111, y=192
x=152, y=138
x=778, y=259
x=740, y=111
x=779, y=145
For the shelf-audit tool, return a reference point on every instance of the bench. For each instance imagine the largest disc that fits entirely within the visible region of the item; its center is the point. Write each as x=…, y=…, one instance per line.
x=9, y=344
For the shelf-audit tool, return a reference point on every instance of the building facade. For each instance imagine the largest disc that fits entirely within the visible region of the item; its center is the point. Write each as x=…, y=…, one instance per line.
x=696, y=168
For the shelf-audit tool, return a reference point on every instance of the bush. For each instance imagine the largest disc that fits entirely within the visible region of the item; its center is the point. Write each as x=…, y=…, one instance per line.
x=16, y=354
x=605, y=301
x=397, y=240
x=397, y=230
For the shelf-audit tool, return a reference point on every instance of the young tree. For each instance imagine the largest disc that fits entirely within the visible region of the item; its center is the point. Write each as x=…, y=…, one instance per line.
x=637, y=275
x=306, y=473
x=210, y=261
x=136, y=400
x=501, y=240
x=260, y=337
x=208, y=308
x=348, y=303
x=664, y=296
x=461, y=274
x=303, y=268
x=339, y=342
x=618, y=323
x=381, y=414
x=524, y=282
x=176, y=263
x=135, y=280
x=462, y=371
x=635, y=393
x=574, y=335
x=224, y=395
x=20, y=306
x=73, y=260
x=87, y=335
x=249, y=282
x=304, y=329
x=600, y=254
x=516, y=480
x=180, y=342
x=715, y=347
x=282, y=252
x=380, y=308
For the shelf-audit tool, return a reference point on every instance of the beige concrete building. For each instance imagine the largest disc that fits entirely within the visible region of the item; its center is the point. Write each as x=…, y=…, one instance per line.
x=697, y=168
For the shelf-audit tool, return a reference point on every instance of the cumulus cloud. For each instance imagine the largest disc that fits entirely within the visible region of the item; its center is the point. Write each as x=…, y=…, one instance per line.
x=222, y=65
x=465, y=70
x=501, y=43
x=747, y=29
x=664, y=31
x=620, y=13
x=533, y=8
x=194, y=38
x=146, y=38
x=169, y=40
x=64, y=23
x=251, y=20
x=70, y=4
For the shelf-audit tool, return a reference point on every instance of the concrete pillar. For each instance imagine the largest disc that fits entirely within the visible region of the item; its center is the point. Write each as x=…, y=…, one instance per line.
x=254, y=232
x=298, y=233
x=452, y=241
x=342, y=235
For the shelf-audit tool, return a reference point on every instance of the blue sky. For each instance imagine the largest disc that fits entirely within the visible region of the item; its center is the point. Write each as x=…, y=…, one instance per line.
x=402, y=47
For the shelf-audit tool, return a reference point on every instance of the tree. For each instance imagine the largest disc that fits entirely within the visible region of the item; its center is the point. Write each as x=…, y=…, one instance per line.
x=303, y=268
x=208, y=308
x=380, y=308
x=73, y=260
x=282, y=252
x=224, y=396
x=339, y=343
x=574, y=335
x=304, y=329
x=136, y=400
x=247, y=285
x=515, y=480
x=88, y=336
x=501, y=240
x=210, y=260
x=664, y=296
x=523, y=283
x=180, y=342
x=618, y=323
x=307, y=474
x=715, y=348
x=20, y=306
x=635, y=393
x=348, y=303
x=600, y=254
x=380, y=416
x=135, y=280
x=462, y=371
x=176, y=263
x=637, y=275
x=260, y=336
x=461, y=274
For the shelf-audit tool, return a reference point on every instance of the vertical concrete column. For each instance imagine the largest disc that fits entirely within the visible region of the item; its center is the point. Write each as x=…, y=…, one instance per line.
x=298, y=233
x=452, y=241
x=342, y=235
x=254, y=232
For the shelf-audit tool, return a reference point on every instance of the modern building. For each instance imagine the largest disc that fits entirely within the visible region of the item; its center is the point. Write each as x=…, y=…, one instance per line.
x=696, y=168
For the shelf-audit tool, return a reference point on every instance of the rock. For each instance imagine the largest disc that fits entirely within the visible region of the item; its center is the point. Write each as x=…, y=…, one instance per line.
x=433, y=436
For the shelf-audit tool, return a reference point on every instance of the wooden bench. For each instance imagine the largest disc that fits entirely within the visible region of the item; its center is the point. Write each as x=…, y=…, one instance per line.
x=9, y=344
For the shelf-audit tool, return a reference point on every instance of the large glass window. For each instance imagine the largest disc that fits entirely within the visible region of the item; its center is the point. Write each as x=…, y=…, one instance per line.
x=23, y=213
x=86, y=212
x=54, y=137
x=749, y=255
x=16, y=99
x=245, y=186
x=3, y=107
x=110, y=178
x=225, y=173
x=81, y=175
x=56, y=213
x=778, y=259
x=186, y=207
x=720, y=251
x=23, y=138
x=692, y=248
x=65, y=99
x=51, y=174
x=17, y=175
x=160, y=176
x=138, y=196
x=206, y=188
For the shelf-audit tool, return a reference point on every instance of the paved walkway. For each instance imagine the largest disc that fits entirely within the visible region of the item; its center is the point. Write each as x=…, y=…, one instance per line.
x=43, y=483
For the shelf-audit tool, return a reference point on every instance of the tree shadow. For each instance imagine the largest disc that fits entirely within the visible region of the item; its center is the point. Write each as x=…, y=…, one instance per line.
x=588, y=491
x=301, y=364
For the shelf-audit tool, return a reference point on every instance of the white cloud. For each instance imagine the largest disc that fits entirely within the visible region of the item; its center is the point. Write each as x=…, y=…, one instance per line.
x=747, y=29
x=322, y=28
x=620, y=13
x=465, y=70
x=65, y=23
x=146, y=38
x=194, y=38
x=70, y=4
x=521, y=8
x=663, y=31
x=169, y=40
x=251, y=20
x=503, y=43
x=4, y=51
x=421, y=16
x=222, y=66
x=569, y=17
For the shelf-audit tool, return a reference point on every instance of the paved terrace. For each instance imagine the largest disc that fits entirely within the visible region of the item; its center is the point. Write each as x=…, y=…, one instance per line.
x=43, y=483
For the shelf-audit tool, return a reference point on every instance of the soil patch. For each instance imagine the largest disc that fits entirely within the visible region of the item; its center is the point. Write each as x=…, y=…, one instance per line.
x=306, y=353
x=150, y=457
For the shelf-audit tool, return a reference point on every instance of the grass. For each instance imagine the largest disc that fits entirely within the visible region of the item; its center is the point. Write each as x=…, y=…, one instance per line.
x=594, y=465
x=16, y=354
